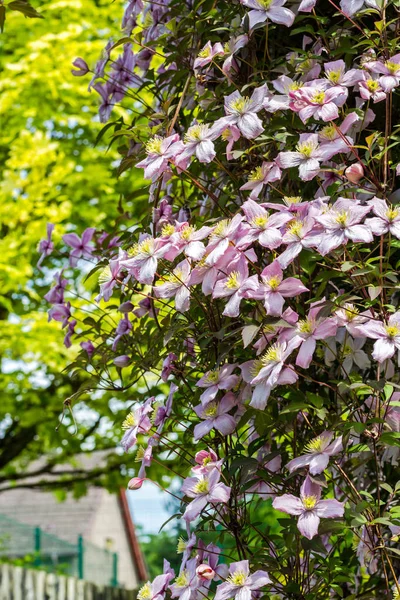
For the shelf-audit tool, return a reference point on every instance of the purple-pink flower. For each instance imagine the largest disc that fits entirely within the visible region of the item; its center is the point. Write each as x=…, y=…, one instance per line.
x=81, y=247
x=319, y=451
x=204, y=489
x=309, y=507
x=241, y=584
x=262, y=10
x=219, y=379
x=215, y=416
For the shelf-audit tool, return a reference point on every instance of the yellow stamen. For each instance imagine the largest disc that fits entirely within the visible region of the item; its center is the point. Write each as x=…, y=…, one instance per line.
x=153, y=146
x=201, y=487
x=129, y=422
x=309, y=502
x=237, y=578
x=233, y=281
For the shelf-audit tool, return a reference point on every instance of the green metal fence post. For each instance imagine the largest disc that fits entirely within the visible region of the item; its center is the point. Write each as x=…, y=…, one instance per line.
x=37, y=545
x=80, y=557
x=114, y=581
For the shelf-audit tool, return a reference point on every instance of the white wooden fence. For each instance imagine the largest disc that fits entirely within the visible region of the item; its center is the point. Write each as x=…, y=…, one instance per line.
x=17, y=583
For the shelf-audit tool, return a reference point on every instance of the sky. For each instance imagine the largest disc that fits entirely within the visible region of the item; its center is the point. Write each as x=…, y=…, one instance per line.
x=148, y=507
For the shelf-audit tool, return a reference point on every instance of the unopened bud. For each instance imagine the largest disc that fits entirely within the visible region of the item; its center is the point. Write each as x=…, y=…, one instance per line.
x=122, y=361
x=354, y=173
x=205, y=572
x=81, y=67
x=135, y=483
x=126, y=307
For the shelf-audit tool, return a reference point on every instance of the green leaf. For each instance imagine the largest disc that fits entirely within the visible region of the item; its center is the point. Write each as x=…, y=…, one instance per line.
x=25, y=8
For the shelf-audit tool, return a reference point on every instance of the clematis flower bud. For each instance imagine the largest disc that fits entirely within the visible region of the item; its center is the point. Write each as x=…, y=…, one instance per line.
x=354, y=173
x=126, y=307
x=135, y=483
x=122, y=361
x=205, y=572
x=81, y=67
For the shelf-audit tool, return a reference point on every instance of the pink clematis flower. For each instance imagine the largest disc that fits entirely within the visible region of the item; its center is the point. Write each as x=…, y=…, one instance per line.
x=313, y=101
x=350, y=7
x=268, y=371
x=199, y=142
x=334, y=139
x=389, y=71
x=241, y=111
x=309, y=330
x=319, y=451
x=142, y=259
x=109, y=276
x=188, y=240
x=220, y=379
x=268, y=172
x=60, y=313
x=207, y=54
x=309, y=507
x=235, y=286
x=230, y=49
x=342, y=223
x=136, y=422
x=274, y=289
x=215, y=416
x=240, y=584
x=206, y=461
x=204, y=489
x=387, y=336
x=223, y=233
x=268, y=9
x=81, y=247
x=262, y=226
x=56, y=294
x=349, y=316
x=387, y=218
x=160, y=151
x=176, y=285
x=156, y=589
x=186, y=584
x=370, y=88
x=46, y=246
x=336, y=74
x=299, y=234
x=308, y=156
x=230, y=134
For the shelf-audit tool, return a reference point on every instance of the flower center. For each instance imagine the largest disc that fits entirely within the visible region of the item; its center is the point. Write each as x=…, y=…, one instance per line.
x=351, y=312
x=392, y=67
x=305, y=326
x=153, y=146
x=289, y=200
x=239, y=104
x=296, y=85
x=202, y=487
x=372, y=85
x=167, y=230
x=309, y=502
x=296, y=228
x=342, y=218
x=181, y=547
x=256, y=368
x=220, y=229
x=256, y=174
x=211, y=410
x=237, y=578
x=145, y=247
x=129, y=422
x=335, y=76
x=318, y=98
x=145, y=592
x=205, y=53
x=213, y=377
x=232, y=282
x=392, y=330
x=196, y=133
x=328, y=132
x=273, y=282
x=260, y=221
x=183, y=579
x=187, y=232
x=315, y=445
x=392, y=213
x=306, y=149
x=272, y=355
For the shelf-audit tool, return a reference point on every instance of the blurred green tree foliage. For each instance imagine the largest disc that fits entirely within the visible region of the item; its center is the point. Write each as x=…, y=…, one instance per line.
x=51, y=170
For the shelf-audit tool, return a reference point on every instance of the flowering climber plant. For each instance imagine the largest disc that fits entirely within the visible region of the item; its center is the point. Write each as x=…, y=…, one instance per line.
x=248, y=319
